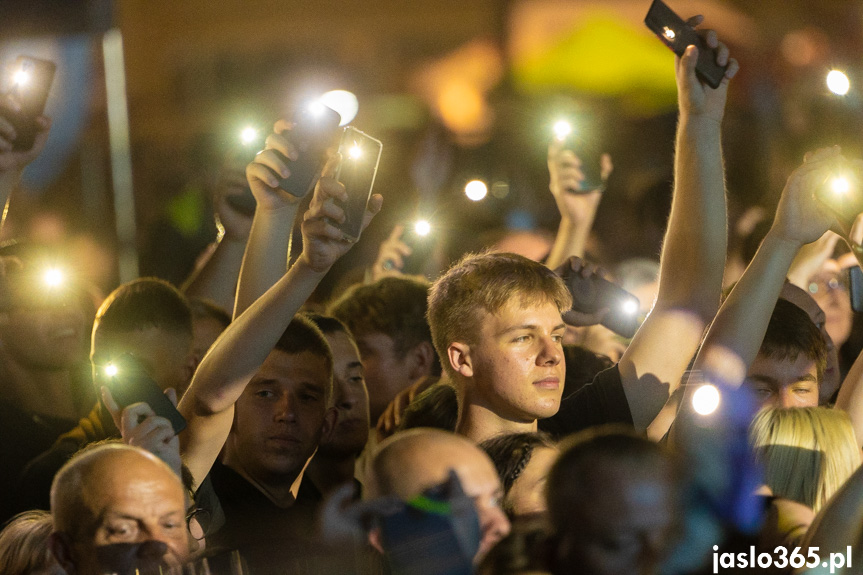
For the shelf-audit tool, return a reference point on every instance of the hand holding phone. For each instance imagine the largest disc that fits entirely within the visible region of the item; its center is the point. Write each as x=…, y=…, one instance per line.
x=315, y=129
x=25, y=103
x=360, y=156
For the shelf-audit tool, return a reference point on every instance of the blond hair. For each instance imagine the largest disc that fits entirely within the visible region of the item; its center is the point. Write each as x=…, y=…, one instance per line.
x=24, y=545
x=487, y=282
x=807, y=453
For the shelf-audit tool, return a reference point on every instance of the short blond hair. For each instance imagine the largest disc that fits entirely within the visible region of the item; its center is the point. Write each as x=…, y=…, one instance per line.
x=487, y=282
x=24, y=544
x=807, y=452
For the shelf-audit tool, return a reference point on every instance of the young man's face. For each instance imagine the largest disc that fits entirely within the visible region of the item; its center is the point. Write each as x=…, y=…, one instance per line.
x=517, y=361
x=350, y=398
x=281, y=416
x=784, y=383
x=386, y=371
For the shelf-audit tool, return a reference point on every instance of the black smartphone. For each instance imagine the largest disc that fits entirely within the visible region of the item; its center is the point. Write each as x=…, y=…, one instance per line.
x=420, y=238
x=129, y=384
x=593, y=293
x=855, y=288
x=315, y=130
x=31, y=83
x=361, y=155
x=570, y=133
x=677, y=35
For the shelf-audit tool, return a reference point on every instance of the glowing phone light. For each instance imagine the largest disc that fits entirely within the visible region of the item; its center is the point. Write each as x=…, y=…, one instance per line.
x=317, y=108
x=248, y=135
x=54, y=277
x=562, y=129
x=476, y=190
x=705, y=400
x=343, y=102
x=630, y=307
x=838, y=83
x=21, y=77
x=422, y=227
x=669, y=33
x=840, y=185
x=111, y=370
x=355, y=152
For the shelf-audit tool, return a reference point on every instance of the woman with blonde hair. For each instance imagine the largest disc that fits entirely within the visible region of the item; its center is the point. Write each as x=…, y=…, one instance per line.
x=807, y=454
x=24, y=546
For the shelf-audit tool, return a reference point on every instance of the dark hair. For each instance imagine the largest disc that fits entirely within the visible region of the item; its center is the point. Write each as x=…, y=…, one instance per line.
x=790, y=334
x=511, y=452
x=582, y=365
x=436, y=407
x=144, y=303
x=583, y=453
x=204, y=309
x=327, y=324
x=303, y=335
x=394, y=306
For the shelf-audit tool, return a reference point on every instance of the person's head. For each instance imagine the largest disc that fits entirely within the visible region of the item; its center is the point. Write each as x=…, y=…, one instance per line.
x=790, y=363
x=829, y=287
x=151, y=320
x=409, y=463
x=436, y=407
x=24, y=545
x=350, y=396
x=497, y=327
x=388, y=321
x=522, y=461
x=208, y=323
x=117, y=508
x=611, y=503
x=284, y=411
x=806, y=453
x=42, y=315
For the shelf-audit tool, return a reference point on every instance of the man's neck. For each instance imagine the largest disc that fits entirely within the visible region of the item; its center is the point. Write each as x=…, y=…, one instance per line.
x=330, y=472
x=283, y=493
x=46, y=392
x=478, y=422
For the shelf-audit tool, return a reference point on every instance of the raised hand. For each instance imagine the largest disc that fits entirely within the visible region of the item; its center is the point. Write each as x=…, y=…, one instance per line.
x=269, y=165
x=15, y=161
x=390, y=260
x=566, y=184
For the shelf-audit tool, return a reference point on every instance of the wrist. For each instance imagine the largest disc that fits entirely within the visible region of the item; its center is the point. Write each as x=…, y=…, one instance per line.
x=700, y=120
x=304, y=265
x=781, y=238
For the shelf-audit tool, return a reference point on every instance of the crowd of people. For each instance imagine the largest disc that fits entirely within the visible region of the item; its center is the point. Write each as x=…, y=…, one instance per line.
x=482, y=422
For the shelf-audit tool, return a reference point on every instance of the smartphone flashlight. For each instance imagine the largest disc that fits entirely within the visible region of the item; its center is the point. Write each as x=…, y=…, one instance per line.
x=355, y=152
x=840, y=185
x=669, y=34
x=705, y=400
x=21, y=77
x=316, y=108
x=562, y=129
x=53, y=278
x=475, y=190
x=631, y=307
x=838, y=82
x=422, y=228
x=248, y=135
x=111, y=370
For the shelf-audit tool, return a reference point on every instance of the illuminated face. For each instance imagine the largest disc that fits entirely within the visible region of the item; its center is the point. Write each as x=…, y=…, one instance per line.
x=517, y=362
x=829, y=289
x=47, y=338
x=527, y=494
x=784, y=383
x=350, y=398
x=280, y=417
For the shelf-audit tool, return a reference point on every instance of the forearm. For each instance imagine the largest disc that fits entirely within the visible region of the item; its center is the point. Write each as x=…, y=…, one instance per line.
x=8, y=182
x=216, y=278
x=850, y=399
x=693, y=254
x=239, y=353
x=571, y=240
x=266, y=256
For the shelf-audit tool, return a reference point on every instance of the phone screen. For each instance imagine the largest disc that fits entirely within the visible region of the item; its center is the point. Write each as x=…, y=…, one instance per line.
x=361, y=155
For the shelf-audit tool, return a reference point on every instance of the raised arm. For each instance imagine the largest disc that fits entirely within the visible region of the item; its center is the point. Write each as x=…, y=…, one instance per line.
x=12, y=163
x=208, y=405
x=693, y=254
x=269, y=245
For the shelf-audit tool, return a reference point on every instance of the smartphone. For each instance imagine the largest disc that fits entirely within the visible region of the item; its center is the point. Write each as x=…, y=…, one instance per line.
x=31, y=83
x=241, y=155
x=315, y=130
x=593, y=293
x=361, y=155
x=419, y=237
x=568, y=132
x=855, y=288
x=841, y=191
x=130, y=384
x=677, y=35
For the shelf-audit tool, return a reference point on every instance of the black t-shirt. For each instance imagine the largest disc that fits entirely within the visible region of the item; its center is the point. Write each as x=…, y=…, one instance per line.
x=601, y=402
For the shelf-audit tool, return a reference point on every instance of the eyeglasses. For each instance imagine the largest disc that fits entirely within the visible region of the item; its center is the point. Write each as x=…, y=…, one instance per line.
x=828, y=284
x=203, y=518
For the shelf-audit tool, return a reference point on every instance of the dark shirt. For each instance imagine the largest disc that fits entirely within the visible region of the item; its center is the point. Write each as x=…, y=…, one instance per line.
x=601, y=402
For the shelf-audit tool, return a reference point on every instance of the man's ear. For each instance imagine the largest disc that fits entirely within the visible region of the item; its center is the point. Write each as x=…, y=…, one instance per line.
x=460, y=359
x=376, y=541
x=422, y=358
x=61, y=548
x=331, y=419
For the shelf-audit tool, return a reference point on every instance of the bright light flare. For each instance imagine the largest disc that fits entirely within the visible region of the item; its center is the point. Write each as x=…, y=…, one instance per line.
x=476, y=190
x=316, y=108
x=705, y=400
x=343, y=102
x=248, y=135
x=21, y=77
x=54, y=277
x=630, y=307
x=840, y=185
x=422, y=228
x=838, y=82
x=669, y=33
x=562, y=129
x=355, y=152
x=111, y=370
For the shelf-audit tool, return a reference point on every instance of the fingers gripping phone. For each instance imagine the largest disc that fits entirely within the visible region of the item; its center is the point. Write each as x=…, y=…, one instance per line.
x=594, y=293
x=678, y=35
x=129, y=384
x=315, y=130
x=361, y=155
x=586, y=151
x=31, y=83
